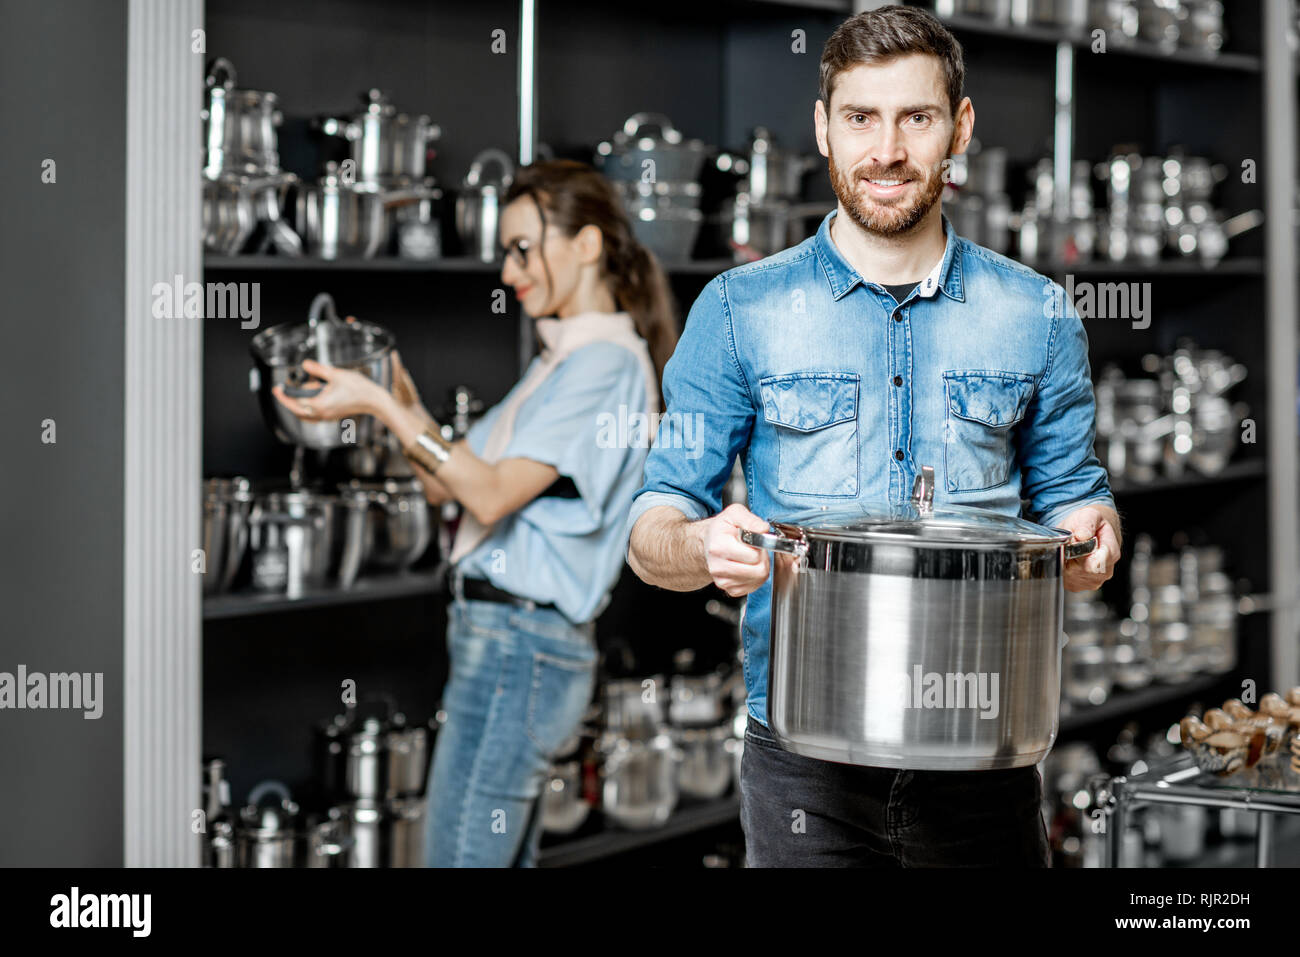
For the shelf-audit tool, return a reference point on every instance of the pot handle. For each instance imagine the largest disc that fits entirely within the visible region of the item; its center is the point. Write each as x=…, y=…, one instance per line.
x=1075, y=550
x=221, y=72
x=774, y=542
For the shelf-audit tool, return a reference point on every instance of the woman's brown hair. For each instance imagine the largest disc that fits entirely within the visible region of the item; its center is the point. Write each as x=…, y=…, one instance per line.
x=571, y=195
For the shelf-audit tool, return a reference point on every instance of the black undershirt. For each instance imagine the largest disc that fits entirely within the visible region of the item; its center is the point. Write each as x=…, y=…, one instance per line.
x=903, y=291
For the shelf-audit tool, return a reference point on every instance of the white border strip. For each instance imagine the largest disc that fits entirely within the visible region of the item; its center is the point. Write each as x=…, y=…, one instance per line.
x=164, y=368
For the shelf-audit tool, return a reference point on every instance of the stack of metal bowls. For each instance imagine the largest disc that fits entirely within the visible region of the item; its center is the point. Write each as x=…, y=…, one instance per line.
x=656, y=172
x=243, y=184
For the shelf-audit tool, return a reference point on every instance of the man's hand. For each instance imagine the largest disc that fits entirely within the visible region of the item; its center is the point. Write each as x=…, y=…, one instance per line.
x=669, y=551
x=735, y=567
x=1088, y=573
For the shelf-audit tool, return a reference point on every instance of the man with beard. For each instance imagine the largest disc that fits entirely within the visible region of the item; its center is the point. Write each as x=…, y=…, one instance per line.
x=835, y=370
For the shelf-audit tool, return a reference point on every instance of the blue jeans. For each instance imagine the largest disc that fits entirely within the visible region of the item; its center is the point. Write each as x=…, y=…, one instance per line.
x=798, y=811
x=520, y=683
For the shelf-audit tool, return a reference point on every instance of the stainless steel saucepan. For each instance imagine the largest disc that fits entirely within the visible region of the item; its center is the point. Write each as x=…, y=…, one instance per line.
x=909, y=636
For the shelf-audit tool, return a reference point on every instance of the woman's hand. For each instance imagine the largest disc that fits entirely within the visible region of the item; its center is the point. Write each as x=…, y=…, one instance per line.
x=346, y=393
x=404, y=390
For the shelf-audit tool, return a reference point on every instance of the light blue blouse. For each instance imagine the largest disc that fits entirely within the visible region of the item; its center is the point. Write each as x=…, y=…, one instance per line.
x=588, y=419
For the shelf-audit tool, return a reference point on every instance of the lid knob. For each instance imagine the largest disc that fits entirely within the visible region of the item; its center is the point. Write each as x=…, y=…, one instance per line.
x=923, y=490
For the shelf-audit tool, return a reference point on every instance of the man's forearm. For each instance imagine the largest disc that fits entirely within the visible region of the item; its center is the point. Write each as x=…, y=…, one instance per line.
x=664, y=550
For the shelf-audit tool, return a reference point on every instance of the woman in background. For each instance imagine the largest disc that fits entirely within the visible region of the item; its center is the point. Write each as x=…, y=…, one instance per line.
x=545, y=494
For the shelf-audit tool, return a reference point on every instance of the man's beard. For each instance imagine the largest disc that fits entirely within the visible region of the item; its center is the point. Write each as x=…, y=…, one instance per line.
x=881, y=218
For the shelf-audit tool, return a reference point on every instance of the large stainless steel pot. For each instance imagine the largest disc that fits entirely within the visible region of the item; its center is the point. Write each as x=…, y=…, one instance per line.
x=907, y=636
x=388, y=148
x=279, y=353
x=239, y=126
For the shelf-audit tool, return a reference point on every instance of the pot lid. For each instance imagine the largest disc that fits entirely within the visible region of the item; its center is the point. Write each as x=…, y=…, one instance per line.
x=919, y=521
x=325, y=338
x=635, y=136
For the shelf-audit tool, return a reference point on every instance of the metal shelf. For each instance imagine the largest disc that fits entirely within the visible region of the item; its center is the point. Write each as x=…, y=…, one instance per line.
x=687, y=819
x=377, y=588
x=1234, y=472
x=1232, y=266
x=1241, y=62
x=1125, y=703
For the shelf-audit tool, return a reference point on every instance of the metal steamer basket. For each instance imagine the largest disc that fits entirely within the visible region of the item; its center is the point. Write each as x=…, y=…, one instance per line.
x=909, y=636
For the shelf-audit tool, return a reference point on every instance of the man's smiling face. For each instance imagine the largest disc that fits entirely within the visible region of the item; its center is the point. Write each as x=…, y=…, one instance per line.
x=886, y=135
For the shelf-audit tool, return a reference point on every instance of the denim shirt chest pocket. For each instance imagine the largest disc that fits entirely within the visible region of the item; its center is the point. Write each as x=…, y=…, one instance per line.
x=982, y=408
x=815, y=418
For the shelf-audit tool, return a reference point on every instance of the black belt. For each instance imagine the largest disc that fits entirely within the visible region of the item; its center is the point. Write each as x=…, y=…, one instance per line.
x=480, y=589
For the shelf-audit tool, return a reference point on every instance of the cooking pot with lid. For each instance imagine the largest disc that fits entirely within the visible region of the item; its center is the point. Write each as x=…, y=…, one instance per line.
x=279, y=353
x=909, y=636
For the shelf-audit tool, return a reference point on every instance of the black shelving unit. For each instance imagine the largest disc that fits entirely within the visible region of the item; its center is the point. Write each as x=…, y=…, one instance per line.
x=610, y=841
x=365, y=589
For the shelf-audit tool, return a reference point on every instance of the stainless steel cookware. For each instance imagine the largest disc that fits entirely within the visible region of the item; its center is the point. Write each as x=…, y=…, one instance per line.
x=268, y=834
x=341, y=220
x=226, y=504
x=705, y=770
x=999, y=10
x=650, y=149
x=632, y=706
x=329, y=842
x=480, y=202
x=388, y=148
x=399, y=521
x=406, y=752
x=239, y=126
x=291, y=535
x=911, y=636
x=404, y=832
x=279, y=353
x=564, y=809
x=639, y=786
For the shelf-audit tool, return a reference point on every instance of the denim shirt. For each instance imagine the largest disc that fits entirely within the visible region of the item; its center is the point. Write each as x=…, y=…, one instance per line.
x=832, y=393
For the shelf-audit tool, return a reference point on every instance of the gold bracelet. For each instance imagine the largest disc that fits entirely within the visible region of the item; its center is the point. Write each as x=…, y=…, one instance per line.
x=429, y=450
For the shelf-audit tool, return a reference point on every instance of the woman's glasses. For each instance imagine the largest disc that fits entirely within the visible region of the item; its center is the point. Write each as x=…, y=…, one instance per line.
x=518, y=251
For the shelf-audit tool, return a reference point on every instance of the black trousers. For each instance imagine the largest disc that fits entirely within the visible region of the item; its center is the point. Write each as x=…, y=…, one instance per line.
x=803, y=812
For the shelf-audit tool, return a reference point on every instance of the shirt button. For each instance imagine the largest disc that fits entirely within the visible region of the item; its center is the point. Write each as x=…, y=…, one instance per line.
x=898, y=380
x=898, y=454
x=898, y=317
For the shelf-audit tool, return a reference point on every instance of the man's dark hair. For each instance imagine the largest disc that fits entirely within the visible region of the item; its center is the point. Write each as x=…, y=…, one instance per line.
x=875, y=36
